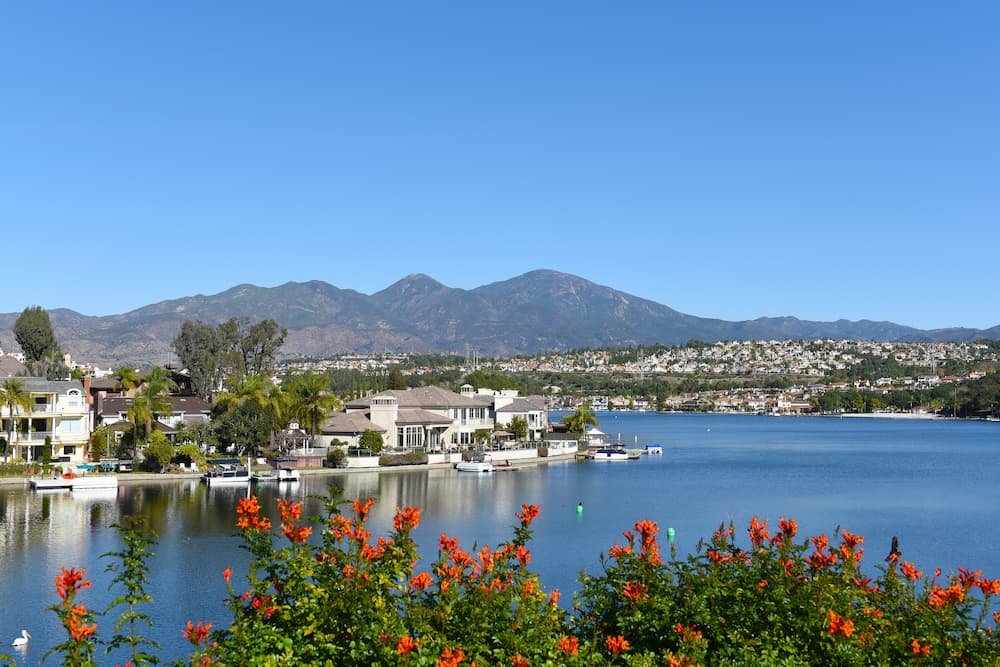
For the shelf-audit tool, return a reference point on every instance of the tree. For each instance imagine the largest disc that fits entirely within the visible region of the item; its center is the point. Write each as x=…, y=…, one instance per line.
x=258, y=345
x=201, y=348
x=519, y=427
x=152, y=399
x=233, y=348
x=33, y=331
x=310, y=399
x=159, y=449
x=247, y=426
x=578, y=421
x=481, y=435
x=371, y=440
x=396, y=379
x=15, y=397
x=128, y=379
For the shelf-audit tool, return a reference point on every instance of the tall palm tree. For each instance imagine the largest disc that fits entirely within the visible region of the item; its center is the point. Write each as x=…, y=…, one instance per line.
x=152, y=399
x=13, y=395
x=310, y=399
x=578, y=421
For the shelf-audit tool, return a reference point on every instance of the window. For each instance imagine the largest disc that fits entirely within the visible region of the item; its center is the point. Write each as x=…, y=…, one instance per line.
x=71, y=427
x=69, y=450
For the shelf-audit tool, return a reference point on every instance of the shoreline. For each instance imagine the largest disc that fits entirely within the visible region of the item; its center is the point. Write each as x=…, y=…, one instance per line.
x=166, y=478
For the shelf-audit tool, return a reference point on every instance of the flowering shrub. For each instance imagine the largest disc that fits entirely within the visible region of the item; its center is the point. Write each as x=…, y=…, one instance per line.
x=322, y=590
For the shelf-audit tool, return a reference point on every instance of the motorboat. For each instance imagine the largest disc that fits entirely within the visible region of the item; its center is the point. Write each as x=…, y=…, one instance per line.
x=226, y=471
x=654, y=449
x=281, y=471
x=476, y=463
x=611, y=454
x=75, y=480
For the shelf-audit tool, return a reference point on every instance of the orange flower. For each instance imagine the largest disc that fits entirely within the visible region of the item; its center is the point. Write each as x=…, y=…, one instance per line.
x=968, y=578
x=617, y=644
x=989, y=586
x=939, y=597
x=290, y=510
x=635, y=591
x=406, y=644
x=196, y=634
x=70, y=581
x=649, y=549
x=918, y=649
x=340, y=526
x=248, y=510
x=523, y=555
x=762, y=584
x=687, y=633
x=421, y=581
x=296, y=534
x=449, y=544
x=518, y=661
x=569, y=645
x=361, y=508
x=910, y=571
x=406, y=518
x=758, y=532
x=451, y=658
x=554, y=597
x=618, y=551
x=527, y=514
x=227, y=573
x=838, y=625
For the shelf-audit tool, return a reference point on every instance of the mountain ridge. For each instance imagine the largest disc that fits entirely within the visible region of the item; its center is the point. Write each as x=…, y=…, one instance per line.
x=538, y=311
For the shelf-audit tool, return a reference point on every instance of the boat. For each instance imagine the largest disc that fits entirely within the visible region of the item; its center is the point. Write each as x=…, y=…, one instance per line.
x=75, y=480
x=611, y=454
x=226, y=471
x=280, y=471
x=654, y=449
x=476, y=463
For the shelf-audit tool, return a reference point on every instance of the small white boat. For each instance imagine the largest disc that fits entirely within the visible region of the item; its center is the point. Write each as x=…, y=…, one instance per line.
x=75, y=480
x=476, y=463
x=281, y=472
x=226, y=471
x=654, y=449
x=611, y=454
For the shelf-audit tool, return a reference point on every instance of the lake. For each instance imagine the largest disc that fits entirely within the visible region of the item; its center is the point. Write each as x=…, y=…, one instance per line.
x=932, y=483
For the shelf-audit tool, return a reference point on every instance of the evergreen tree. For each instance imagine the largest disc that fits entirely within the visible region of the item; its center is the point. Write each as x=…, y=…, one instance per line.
x=33, y=331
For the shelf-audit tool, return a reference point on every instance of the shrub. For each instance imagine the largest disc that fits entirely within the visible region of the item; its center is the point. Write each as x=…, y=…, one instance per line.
x=340, y=598
x=336, y=458
x=405, y=459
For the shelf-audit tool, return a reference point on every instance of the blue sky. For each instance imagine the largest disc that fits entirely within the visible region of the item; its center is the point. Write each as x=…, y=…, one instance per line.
x=730, y=160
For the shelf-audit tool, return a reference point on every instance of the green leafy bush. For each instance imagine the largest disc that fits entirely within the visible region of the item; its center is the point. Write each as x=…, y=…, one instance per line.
x=322, y=591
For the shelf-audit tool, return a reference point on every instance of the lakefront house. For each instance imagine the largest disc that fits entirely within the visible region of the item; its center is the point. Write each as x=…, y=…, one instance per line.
x=57, y=417
x=437, y=419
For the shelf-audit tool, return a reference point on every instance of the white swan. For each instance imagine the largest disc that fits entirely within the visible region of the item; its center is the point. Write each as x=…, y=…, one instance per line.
x=23, y=639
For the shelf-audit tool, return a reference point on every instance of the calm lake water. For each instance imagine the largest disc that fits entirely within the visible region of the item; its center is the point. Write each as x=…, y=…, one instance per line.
x=932, y=483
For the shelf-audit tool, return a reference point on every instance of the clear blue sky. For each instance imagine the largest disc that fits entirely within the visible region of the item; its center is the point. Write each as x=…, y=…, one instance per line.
x=730, y=160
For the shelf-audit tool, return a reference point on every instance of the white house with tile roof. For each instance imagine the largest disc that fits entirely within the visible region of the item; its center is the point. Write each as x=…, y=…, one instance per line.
x=432, y=418
x=58, y=410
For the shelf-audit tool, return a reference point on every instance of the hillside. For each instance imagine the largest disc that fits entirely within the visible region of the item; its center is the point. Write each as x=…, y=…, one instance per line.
x=535, y=312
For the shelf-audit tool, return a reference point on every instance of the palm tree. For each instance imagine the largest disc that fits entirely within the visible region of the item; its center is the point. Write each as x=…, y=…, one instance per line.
x=128, y=379
x=256, y=389
x=578, y=421
x=13, y=395
x=310, y=399
x=152, y=399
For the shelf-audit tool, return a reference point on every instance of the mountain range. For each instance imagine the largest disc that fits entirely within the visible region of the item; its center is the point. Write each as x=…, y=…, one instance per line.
x=539, y=311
